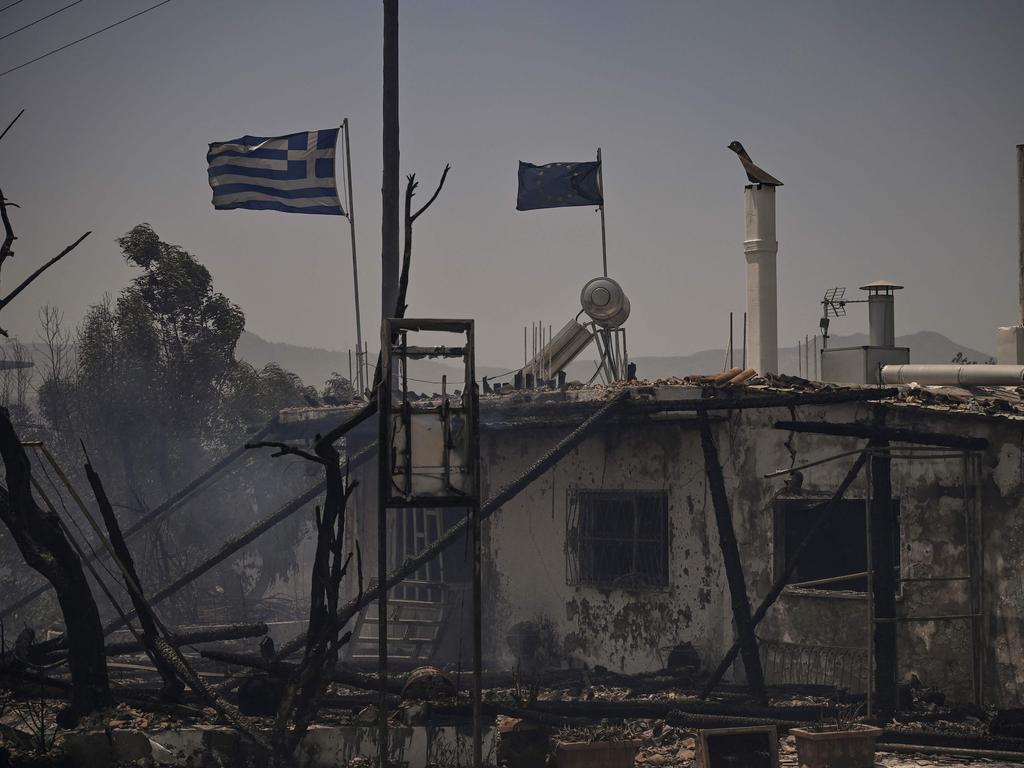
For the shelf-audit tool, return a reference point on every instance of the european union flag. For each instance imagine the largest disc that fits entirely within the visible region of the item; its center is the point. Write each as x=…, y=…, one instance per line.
x=557, y=185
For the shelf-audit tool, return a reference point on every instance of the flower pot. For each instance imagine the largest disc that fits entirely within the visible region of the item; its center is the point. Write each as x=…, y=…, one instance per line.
x=850, y=748
x=598, y=754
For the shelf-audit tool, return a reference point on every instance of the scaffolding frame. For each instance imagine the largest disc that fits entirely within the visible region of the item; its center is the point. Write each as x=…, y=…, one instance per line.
x=973, y=534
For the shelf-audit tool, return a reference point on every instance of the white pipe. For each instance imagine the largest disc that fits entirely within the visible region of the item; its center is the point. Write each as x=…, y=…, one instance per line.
x=955, y=375
x=761, y=248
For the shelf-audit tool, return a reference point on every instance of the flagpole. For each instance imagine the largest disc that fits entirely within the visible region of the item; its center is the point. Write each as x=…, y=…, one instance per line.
x=355, y=266
x=604, y=240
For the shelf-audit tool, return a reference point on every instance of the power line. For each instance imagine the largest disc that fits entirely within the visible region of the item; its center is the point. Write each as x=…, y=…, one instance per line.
x=11, y=5
x=82, y=39
x=44, y=18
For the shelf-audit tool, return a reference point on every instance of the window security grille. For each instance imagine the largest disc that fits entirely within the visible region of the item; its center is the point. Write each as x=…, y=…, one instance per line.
x=617, y=538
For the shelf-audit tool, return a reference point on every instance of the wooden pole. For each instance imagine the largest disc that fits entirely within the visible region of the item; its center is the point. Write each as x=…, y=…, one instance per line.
x=355, y=266
x=604, y=239
x=733, y=564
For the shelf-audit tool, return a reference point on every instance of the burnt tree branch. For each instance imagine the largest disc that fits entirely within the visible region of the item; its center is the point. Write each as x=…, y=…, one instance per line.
x=28, y=280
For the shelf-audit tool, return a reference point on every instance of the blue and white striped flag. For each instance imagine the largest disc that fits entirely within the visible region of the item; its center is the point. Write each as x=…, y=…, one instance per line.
x=293, y=173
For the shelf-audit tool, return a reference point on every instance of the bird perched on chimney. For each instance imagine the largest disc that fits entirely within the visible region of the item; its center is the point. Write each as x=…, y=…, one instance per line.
x=754, y=174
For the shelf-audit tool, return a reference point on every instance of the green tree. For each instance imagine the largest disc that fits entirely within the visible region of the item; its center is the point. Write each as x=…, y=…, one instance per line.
x=157, y=394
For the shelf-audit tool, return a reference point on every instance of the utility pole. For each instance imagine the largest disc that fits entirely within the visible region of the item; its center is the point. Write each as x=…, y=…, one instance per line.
x=1020, y=225
x=389, y=185
x=389, y=300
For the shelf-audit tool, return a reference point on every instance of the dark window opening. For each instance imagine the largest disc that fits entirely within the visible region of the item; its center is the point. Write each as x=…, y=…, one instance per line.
x=617, y=538
x=839, y=547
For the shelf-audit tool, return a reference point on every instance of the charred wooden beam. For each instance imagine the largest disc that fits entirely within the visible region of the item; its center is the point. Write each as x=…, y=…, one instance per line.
x=733, y=564
x=794, y=560
x=195, y=637
x=172, y=686
x=883, y=581
x=880, y=432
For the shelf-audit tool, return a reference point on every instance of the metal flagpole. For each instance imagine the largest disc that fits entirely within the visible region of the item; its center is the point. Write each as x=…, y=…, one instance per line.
x=355, y=267
x=604, y=240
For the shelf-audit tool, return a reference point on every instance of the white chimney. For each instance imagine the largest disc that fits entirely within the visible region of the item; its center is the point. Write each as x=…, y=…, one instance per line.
x=1010, y=339
x=761, y=248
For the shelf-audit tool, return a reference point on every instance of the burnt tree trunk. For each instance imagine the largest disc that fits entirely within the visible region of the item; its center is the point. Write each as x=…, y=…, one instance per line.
x=40, y=537
x=733, y=564
x=307, y=684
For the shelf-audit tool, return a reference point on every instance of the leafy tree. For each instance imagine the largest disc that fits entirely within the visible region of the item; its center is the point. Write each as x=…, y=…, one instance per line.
x=158, y=394
x=338, y=390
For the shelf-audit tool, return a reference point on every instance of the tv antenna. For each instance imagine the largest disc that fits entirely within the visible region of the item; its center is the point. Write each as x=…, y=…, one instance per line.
x=833, y=304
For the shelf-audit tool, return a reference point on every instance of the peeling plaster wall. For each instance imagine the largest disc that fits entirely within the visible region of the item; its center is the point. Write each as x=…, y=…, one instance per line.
x=631, y=630
x=622, y=629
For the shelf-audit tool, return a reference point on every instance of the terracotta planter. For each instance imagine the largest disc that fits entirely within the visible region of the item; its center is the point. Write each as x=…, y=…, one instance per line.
x=598, y=754
x=853, y=748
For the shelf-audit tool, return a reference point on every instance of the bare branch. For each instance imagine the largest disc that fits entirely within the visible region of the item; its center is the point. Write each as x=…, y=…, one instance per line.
x=6, y=250
x=28, y=280
x=284, y=449
x=413, y=184
x=11, y=124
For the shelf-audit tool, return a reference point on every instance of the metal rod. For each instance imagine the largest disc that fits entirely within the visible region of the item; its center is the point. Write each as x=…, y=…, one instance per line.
x=791, y=470
x=732, y=361
x=807, y=357
x=870, y=593
x=815, y=353
x=979, y=574
x=604, y=239
x=744, y=358
x=799, y=360
x=474, y=408
x=906, y=619
x=383, y=492
x=830, y=580
x=1020, y=224
x=352, y=232
x=936, y=578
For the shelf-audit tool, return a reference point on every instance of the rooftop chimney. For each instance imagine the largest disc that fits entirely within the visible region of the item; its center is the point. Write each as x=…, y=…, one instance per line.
x=761, y=248
x=862, y=365
x=881, y=313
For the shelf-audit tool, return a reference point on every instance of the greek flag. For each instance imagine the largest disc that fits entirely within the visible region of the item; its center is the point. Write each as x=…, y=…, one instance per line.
x=293, y=173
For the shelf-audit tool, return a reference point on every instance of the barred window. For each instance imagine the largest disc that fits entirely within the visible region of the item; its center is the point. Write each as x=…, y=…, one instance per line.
x=617, y=538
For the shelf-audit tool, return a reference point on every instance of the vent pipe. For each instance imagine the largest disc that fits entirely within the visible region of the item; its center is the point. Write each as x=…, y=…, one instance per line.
x=954, y=375
x=881, y=313
x=761, y=249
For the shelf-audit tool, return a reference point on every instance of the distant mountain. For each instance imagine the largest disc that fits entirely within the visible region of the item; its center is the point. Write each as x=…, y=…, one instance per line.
x=315, y=365
x=925, y=347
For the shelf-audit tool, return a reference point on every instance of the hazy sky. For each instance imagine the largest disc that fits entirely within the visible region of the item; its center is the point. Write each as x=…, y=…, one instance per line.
x=892, y=124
